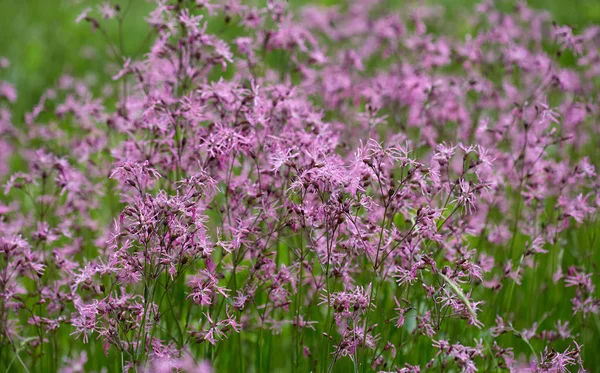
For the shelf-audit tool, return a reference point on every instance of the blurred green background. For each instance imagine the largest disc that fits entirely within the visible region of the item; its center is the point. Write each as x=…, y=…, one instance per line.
x=42, y=40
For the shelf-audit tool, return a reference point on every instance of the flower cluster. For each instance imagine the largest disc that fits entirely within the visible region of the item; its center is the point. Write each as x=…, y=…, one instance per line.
x=321, y=189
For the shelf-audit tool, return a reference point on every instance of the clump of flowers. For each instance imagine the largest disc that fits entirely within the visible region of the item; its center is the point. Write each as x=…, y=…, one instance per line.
x=316, y=189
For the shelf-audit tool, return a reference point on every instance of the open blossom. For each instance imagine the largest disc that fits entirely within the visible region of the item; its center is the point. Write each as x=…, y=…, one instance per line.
x=349, y=304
